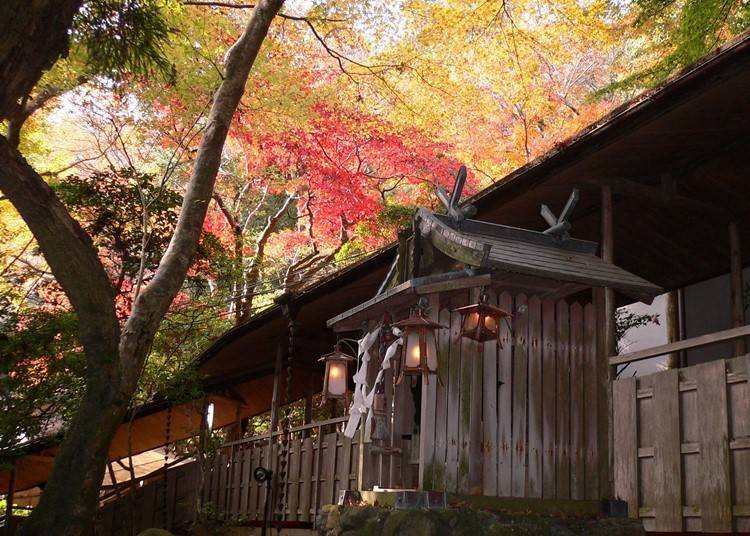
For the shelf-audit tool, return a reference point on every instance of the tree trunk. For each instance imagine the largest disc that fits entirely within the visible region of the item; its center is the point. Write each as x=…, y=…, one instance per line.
x=33, y=35
x=251, y=279
x=238, y=275
x=70, y=498
x=114, y=359
x=238, y=239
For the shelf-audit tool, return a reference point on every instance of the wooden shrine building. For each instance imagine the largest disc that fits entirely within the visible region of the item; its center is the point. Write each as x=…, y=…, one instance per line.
x=518, y=414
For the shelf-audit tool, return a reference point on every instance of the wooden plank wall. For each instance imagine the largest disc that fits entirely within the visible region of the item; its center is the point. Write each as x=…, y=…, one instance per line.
x=514, y=418
x=682, y=447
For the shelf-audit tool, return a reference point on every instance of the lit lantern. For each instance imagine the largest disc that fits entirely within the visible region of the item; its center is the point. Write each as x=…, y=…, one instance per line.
x=335, y=382
x=419, y=350
x=481, y=321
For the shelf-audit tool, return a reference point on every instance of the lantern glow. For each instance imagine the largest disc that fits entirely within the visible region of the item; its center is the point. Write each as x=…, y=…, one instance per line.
x=481, y=321
x=419, y=351
x=335, y=381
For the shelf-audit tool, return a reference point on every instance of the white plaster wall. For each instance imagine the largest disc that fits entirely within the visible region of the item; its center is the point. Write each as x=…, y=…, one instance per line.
x=707, y=309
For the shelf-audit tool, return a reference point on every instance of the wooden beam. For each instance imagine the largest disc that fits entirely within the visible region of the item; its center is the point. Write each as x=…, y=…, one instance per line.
x=427, y=413
x=687, y=344
x=665, y=196
x=605, y=302
x=673, y=328
x=454, y=284
x=309, y=393
x=230, y=398
x=737, y=290
x=270, y=494
x=563, y=291
x=682, y=327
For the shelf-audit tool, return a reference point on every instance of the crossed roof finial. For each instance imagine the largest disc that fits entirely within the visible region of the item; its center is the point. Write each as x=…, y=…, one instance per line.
x=560, y=227
x=455, y=212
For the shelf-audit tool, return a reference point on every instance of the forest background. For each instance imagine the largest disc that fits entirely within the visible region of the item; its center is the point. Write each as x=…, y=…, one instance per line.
x=353, y=112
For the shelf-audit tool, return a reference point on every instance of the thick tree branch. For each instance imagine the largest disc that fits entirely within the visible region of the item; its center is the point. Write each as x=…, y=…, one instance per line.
x=155, y=299
x=236, y=228
x=31, y=106
x=253, y=274
x=67, y=249
x=33, y=35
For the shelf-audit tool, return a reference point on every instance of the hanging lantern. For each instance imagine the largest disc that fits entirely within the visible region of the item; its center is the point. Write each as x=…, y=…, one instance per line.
x=419, y=350
x=481, y=321
x=336, y=380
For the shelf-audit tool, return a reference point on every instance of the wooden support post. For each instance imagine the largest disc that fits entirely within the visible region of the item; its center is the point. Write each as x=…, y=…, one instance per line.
x=427, y=415
x=364, y=456
x=237, y=427
x=737, y=288
x=402, y=273
x=673, y=328
x=682, y=332
x=605, y=299
x=310, y=392
x=276, y=397
x=417, y=251
x=269, y=507
x=361, y=472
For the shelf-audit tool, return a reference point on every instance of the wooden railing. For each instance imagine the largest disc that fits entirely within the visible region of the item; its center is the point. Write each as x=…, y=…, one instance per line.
x=321, y=462
x=314, y=427
x=679, y=346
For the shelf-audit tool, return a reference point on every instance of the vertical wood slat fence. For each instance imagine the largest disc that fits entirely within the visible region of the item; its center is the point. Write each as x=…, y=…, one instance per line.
x=518, y=418
x=151, y=505
x=682, y=447
x=321, y=463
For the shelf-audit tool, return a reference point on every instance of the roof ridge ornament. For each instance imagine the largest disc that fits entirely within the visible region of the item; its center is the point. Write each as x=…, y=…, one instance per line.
x=454, y=211
x=559, y=227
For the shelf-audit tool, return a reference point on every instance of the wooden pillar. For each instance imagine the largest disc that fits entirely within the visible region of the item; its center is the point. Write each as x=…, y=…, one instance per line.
x=673, y=327
x=682, y=324
x=364, y=455
x=605, y=303
x=309, y=393
x=270, y=496
x=202, y=465
x=276, y=397
x=674, y=306
x=427, y=414
x=737, y=287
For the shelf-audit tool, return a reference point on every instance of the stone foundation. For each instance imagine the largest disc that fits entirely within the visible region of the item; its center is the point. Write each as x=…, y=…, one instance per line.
x=378, y=521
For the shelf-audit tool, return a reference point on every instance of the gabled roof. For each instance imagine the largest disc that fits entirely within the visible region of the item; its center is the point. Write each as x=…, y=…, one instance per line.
x=533, y=253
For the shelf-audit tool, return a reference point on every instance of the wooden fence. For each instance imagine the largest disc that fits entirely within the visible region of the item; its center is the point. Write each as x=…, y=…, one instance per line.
x=162, y=503
x=321, y=462
x=682, y=447
x=519, y=417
